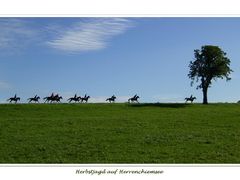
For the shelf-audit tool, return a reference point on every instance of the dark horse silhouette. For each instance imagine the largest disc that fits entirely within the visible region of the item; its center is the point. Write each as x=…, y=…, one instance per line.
x=134, y=99
x=58, y=99
x=111, y=99
x=47, y=99
x=15, y=98
x=75, y=98
x=35, y=99
x=191, y=98
x=52, y=98
x=85, y=98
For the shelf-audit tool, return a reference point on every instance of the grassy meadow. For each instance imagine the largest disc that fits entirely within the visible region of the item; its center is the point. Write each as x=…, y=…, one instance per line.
x=119, y=133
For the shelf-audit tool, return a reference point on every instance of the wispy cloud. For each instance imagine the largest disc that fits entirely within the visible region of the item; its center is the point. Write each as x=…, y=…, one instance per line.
x=4, y=85
x=88, y=35
x=71, y=36
x=15, y=34
x=168, y=98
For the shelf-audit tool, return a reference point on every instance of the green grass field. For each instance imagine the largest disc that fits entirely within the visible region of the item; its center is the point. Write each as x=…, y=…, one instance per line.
x=119, y=133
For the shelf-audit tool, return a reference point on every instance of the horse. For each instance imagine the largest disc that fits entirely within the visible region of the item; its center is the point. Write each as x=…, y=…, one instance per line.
x=75, y=98
x=57, y=99
x=134, y=98
x=191, y=98
x=111, y=99
x=52, y=98
x=35, y=99
x=47, y=98
x=85, y=98
x=15, y=98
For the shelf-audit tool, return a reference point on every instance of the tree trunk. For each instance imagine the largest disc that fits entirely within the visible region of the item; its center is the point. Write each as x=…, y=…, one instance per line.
x=205, y=101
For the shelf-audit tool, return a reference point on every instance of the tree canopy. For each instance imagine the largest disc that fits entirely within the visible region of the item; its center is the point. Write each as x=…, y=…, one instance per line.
x=210, y=64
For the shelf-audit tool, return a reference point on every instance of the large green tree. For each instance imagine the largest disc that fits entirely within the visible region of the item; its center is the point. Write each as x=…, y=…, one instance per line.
x=210, y=64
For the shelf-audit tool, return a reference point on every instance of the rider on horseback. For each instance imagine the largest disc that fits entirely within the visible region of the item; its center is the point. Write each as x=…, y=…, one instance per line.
x=52, y=95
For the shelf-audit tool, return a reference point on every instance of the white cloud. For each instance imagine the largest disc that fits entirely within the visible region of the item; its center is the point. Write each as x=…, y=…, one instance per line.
x=71, y=36
x=15, y=34
x=168, y=98
x=92, y=34
x=4, y=85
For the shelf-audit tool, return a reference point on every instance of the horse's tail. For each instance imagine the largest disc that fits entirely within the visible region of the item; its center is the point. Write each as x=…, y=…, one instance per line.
x=107, y=99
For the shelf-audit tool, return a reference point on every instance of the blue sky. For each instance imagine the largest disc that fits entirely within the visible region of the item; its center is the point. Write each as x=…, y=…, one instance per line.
x=120, y=56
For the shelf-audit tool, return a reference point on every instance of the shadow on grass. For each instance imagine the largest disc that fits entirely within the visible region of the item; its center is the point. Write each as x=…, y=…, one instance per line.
x=163, y=105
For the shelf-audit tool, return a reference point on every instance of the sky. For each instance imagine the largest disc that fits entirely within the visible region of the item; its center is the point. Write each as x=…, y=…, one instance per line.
x=121, y=56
